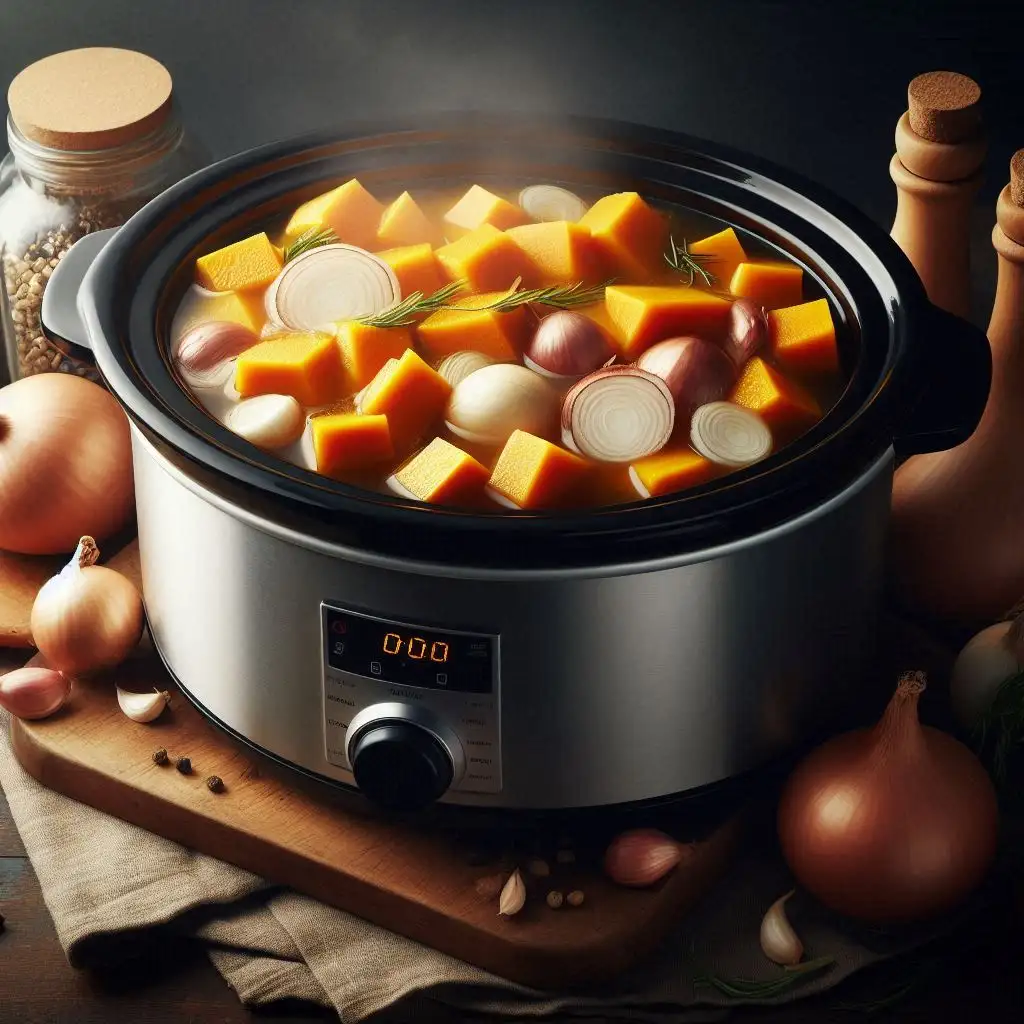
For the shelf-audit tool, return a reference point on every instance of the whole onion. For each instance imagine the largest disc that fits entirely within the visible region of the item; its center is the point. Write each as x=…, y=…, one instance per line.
x=65, y=464
x=696, y=371
x=891, y=824
x=569, y=345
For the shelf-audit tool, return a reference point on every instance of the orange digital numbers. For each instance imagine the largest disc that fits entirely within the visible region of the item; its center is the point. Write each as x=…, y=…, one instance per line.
x=392, y=643
x=417, y=648
x=438, y=651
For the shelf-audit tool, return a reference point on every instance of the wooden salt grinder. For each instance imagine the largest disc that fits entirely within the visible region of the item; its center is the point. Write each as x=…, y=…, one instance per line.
x=1006, y=327
x=940, y=148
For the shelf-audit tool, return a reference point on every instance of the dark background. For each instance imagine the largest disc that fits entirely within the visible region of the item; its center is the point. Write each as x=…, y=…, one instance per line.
x=817, y=86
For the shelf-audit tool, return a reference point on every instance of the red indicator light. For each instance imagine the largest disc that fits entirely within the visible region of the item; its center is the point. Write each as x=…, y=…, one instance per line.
x=339, y=626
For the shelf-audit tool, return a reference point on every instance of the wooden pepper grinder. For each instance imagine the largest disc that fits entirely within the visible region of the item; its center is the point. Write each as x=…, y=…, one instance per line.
x=958, y=516
x=940, y=148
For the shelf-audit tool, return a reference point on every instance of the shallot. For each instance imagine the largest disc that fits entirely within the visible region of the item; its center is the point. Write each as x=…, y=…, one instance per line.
x=492, y=402
x=748, y=331
x=206, y=352
x=641, y=857
x=568, y=346
x=267, y=421
x=729, y=434
x=696, y=371
x=34, y=692
x=551, y=202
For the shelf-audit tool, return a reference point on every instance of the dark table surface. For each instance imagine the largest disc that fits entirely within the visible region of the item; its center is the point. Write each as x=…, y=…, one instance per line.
x=815, y=86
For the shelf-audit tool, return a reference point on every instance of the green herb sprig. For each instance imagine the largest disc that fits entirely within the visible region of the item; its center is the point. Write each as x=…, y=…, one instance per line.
x=689, y=264
x=406, y=312
x=747, y=990
x=314, y=238
x=562, y=296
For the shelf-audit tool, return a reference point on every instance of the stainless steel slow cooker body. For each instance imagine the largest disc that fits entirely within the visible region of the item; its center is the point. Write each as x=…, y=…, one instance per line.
x=561, y=661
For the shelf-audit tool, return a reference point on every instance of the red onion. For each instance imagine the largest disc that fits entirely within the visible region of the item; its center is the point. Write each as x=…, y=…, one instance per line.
x=568, y=344
x=695, y=370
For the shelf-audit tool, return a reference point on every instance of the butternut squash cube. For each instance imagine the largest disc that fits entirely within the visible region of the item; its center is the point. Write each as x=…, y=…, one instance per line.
x=666, y=472
x=404, y=223
x=410, y=394
x=306, y=366
x=804, y=337
x=487, y=259
x=416, y=268
x=726, y=254
x=783, y=405
x=498, y=335
x=534, y=473
x=346, y=442
x=768, y=284
x=598, y=312
x=351, y=212
x=478, y=207
x=631, y=235
x=245, y=308
x=365, y=349
x=644, y=314
x=444, y=475
x=560, y=250
x=251, y=263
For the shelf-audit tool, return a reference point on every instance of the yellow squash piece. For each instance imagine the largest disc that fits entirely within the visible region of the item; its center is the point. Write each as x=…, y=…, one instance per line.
x=644, y=314
x=598, y=312
x=534, y=473
x=345, y=442
x=251, y=263
x=667, y=472
x=488, y=260
x=444, y=475
x=404, y=223
x=477, y=207
x=804, y=337
x=245, y=308
x=416, y=268
x=768, y=284
x=498, y=335
x=783, y=405
x=351, y=212
x=726, y=254
x=306, y=366
x=411, y=394
x=365, y=349
x=631, y=235
x=562, y=252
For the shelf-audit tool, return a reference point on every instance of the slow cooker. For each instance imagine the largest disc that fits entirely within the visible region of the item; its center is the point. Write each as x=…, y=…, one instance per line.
x=609, y=657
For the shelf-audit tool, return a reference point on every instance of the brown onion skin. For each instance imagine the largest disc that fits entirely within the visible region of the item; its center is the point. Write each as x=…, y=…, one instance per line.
x=696, y=371
x=892, y=824
x=748, y=332
x=569, y=345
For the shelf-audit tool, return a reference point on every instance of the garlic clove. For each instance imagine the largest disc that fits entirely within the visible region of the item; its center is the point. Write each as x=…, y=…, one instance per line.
x=494, y=401
x=268, y=421
x=779, y=941
x=143, y=707
x=641, y=857
x=34, y=692
x=513, y=895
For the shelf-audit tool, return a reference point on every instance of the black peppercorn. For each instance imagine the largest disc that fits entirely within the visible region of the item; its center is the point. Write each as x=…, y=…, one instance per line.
x=184, y=765
x=215, y=784
x=160, y=756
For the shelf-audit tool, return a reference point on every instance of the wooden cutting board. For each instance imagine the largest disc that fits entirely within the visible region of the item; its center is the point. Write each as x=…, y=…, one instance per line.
x=413, y=882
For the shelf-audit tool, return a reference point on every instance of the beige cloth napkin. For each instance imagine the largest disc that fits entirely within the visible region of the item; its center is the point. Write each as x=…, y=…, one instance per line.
x=105, y=880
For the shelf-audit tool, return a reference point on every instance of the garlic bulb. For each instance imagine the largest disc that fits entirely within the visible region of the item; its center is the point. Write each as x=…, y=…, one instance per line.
x=986, y=661
x=779, y=942
x=143, y=707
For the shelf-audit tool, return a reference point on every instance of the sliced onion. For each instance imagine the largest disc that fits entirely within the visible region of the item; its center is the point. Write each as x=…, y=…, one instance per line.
x=493, y=401
x=550, y=202
x=328, y=284
x=729, y=434
x=396, y=487
x=618, y=414
x=566, y=346
x=455, y=368
x=206, y=353
x=499, y=498
x=268, y=421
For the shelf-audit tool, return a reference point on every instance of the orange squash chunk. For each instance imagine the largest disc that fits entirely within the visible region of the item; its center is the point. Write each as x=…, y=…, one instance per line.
x=644, y=314
x=416, y=268
x=351, y=212
x=365, y=349
x=404, y=223
x=477, y=207
x=726, y=254
x=666, y=472
x=487, y=259
x=444, y=475
x=804, y=337
x=498, y=335
x=306, y=366
x=598, y=312
x=783, y=405
x=768, y=284
x=560, y=250
x=347, y=441
x=251, y=263
x=410, y=394
x=245, y=308
x=631, y=235
x=534, y=473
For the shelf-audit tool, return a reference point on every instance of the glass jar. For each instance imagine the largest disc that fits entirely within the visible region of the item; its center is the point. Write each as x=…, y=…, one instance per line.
x=79, y=161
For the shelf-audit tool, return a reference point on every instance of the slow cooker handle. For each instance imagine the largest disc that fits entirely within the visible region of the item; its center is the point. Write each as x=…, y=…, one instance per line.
x=59, y=316
x=957, y=370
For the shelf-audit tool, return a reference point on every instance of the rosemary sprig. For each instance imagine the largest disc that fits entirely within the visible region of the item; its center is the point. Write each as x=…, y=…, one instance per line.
x=311, y=239
x=689, y=264
x=747, y=990
x=405, y=312
x=562, y=296
x=1003, y=725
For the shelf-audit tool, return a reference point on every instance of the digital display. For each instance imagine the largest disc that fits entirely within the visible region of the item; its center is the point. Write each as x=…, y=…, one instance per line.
x=409, y=656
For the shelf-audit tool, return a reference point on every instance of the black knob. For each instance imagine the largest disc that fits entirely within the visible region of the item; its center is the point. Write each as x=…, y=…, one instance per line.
x=400, y=766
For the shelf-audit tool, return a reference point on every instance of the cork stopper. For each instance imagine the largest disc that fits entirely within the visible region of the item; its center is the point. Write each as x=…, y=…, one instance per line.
x=94, y=98
x=945, y=106
x=1017, y=178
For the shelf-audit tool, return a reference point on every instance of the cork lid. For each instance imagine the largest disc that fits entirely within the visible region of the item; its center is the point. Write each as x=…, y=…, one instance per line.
x=945, y=106
x=94, y=98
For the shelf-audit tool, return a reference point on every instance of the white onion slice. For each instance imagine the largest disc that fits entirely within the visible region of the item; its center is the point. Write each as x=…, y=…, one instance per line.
x=334, y=282
x=500, y=498
x=618, y=414
x=267, y=421
x=495, y=400
x=395, y=486
x=550, y=202
x=729, y=434
x=638, y=484
x=455, y=368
